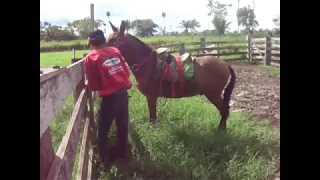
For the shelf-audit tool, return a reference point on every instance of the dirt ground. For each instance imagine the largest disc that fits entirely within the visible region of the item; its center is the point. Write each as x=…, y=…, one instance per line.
x=257, y=93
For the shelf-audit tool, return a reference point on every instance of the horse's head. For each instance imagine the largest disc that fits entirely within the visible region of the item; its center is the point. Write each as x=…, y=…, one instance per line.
x=135, y=52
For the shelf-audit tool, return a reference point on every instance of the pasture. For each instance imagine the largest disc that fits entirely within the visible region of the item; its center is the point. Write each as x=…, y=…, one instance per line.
x=157, y=40
x=185, y=144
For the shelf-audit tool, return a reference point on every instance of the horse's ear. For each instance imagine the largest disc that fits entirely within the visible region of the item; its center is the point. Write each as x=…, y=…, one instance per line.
x=113, y=27
x=122, y=27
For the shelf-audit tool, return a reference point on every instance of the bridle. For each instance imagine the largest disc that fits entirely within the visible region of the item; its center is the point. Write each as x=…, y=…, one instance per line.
x=119, y=42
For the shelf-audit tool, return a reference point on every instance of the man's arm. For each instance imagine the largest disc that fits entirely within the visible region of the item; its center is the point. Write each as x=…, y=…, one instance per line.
x=93, y=76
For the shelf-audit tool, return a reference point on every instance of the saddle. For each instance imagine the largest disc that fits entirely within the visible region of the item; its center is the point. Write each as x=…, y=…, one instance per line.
x=176, y=70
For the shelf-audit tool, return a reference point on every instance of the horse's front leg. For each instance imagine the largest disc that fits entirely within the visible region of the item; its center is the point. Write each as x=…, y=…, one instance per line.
x=152, y=104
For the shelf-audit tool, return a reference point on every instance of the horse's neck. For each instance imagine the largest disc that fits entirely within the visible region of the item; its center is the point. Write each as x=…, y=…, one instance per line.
x=145, y=70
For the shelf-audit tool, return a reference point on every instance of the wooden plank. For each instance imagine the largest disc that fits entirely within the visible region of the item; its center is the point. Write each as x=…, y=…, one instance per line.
x=46, y=76
x=84, y=152
x=62, y=165
x=192, y=43
x=226, y=42
x=220, y=48
x=90, y=165
x=55, y=91
x=258, y=39
x=92, y=168
x=275, y=58
x=46, y=154
x=233, y=59
x=275, y=39
x=275, y=46
x=228, y=54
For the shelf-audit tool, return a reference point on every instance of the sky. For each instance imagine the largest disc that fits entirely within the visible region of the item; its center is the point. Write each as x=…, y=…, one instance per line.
x=59, y=12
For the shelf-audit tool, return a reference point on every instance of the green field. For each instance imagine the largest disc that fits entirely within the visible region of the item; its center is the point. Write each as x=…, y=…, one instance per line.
x=150, y=40
x=186, y=144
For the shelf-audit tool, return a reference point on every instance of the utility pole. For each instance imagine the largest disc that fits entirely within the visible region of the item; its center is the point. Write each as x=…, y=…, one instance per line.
x=92, y=17
x=253, y=4
x=237, y=15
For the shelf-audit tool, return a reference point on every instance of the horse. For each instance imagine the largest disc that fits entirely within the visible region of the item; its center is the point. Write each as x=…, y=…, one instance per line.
x=210, y=75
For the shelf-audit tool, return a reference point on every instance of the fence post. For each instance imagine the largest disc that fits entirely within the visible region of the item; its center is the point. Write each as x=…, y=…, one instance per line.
x=218, y=50
x=267, y=60
x=182, y=49
x=79, y=86
x=248, y=38
x=46, y=154
x=202, y=42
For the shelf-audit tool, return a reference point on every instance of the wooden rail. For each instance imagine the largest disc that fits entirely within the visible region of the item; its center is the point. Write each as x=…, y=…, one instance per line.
x=55, y=87
x=269, y=50
x=252, y=49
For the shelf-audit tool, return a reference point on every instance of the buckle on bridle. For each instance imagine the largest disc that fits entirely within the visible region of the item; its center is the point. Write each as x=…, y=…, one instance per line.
x=134, y=68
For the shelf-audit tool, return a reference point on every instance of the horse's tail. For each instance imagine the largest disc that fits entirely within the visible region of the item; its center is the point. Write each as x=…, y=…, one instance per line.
x=229, y=88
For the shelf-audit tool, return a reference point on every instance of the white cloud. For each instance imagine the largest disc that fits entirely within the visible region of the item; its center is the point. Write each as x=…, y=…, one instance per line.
x=176, y=10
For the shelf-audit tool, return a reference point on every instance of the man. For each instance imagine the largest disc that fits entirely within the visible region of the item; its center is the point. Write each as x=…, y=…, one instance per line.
x=108, y=74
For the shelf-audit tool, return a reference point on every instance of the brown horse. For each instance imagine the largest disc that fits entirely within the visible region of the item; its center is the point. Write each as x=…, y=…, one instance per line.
x=210, y=78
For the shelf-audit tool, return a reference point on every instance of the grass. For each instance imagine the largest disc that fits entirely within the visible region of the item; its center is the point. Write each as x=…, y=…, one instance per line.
x=185, y=144
x=59, y=58
x=272, y=70
x=156, y=40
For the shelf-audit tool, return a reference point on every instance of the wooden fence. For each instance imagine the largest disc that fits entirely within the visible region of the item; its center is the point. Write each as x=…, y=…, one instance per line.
x=266, y=49
x=249, y=49
x=55, y=87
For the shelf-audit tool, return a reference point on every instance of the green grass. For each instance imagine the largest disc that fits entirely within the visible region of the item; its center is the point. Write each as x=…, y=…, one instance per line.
x=272, y=70
x=150, y=40
x=185, y=144
x=59, y=58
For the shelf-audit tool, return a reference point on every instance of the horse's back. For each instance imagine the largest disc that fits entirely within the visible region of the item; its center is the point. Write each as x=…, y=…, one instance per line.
x=211, y=71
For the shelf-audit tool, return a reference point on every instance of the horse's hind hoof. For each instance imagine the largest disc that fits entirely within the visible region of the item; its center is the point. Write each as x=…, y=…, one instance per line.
x=153, y=121
x=222, y=129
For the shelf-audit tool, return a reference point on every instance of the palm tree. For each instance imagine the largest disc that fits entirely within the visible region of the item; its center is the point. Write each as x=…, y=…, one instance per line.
x=189, y=24
x=186, y=25
x=164, y=22
x=108, y=14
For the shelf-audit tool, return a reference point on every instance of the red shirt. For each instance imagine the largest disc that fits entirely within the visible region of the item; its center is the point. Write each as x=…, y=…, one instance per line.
x=107, y=71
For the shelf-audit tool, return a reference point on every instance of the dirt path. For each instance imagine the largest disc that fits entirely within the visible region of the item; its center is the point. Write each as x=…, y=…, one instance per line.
x=258, y=94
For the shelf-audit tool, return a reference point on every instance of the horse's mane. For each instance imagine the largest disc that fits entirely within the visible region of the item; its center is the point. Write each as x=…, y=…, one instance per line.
x=142, y=43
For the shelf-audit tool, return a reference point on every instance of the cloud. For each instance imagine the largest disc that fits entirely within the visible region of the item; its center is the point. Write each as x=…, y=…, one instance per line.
x=176, y=10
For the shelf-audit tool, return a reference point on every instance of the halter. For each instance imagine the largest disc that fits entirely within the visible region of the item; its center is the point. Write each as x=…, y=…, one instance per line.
x=135, y=67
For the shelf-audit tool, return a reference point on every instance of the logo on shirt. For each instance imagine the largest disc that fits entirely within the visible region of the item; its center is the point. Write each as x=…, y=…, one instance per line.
x=111, y=62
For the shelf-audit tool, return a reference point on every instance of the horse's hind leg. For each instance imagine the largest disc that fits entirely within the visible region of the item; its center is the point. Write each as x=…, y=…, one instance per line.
x=224, y=111
x=152, y=105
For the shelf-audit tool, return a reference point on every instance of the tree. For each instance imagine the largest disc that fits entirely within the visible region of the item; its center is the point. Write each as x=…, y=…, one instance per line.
x=82, y=26
x=144, y=27
x=129, y=26
x=221, y=25
x=276, y=20
x=164, y=23
x=247, y=18
x=189, y=25
x=219, y=11
x=50, y=32
x=108, y=14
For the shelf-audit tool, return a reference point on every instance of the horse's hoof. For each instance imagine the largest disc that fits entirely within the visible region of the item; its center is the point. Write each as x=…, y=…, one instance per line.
x=153, y=120
x=222, y=129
